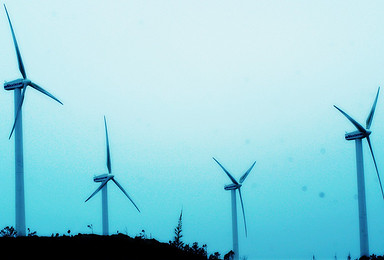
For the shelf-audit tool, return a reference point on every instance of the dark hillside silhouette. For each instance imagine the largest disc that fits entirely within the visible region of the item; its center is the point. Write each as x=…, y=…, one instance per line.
x=89, y=246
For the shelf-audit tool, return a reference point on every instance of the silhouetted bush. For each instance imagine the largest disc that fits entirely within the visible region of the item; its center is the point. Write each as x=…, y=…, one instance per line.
x=141, y=235
x=214, y=256
x=8, y=232
x=90, y=226
x=372, y=257
x=31, y=233
x=196, y=250
x=229, y=255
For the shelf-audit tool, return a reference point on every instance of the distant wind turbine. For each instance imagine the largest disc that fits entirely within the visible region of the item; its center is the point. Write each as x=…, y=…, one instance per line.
x=20, y=86
x=236, y=185
x=104, y=179
x=358, y=135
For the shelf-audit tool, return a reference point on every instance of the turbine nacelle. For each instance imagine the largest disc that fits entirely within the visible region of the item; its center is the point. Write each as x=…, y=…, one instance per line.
x=103, y=177
x=357, y=135
x=18, y=83
x=232, y=186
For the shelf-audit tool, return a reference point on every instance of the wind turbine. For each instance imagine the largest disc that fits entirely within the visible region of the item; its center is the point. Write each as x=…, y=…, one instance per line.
x=358, y=135
x=104, y=179
x=236, y=185
x=20, y=86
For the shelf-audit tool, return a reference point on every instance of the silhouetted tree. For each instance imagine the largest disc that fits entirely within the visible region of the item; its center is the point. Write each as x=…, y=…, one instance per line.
x=178, y=233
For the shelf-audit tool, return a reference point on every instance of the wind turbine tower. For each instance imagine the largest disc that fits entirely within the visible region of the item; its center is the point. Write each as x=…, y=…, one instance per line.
x=19, y=86
x=104, y=179
x=358, y=135
x=236, y=185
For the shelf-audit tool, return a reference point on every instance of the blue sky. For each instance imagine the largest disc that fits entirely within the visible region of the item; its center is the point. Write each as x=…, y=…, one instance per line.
x=180, y=82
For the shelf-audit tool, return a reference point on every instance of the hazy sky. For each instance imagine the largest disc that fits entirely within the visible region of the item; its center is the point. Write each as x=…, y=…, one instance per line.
x=180, y=82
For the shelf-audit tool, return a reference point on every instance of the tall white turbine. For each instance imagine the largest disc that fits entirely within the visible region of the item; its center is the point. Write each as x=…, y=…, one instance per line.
x=20, y=86
x=236, y=185
x=104, y=179
x=358, y=135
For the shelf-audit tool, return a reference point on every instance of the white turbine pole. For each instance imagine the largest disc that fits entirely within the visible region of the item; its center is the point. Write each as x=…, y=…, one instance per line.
x=104, y=193
x=363, y=132
x=233, y=187
x=19, y=168
x=235, y=234
x=363, y=224
x=104, y=179
x=19, y=86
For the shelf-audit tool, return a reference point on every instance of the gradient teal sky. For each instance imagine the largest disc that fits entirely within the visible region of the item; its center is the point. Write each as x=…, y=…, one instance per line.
x=180, y=82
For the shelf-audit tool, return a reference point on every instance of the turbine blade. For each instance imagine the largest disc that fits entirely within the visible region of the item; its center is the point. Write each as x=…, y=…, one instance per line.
x=38, y=88
x=18, y=110
x=229, y=175
x=242, y=207
x=126, y=194
x=370, y=116
x=19, y=60
x=242, y=179
x=353, y=121
x=108, y=152
x=374, y=161
x=98, y=189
